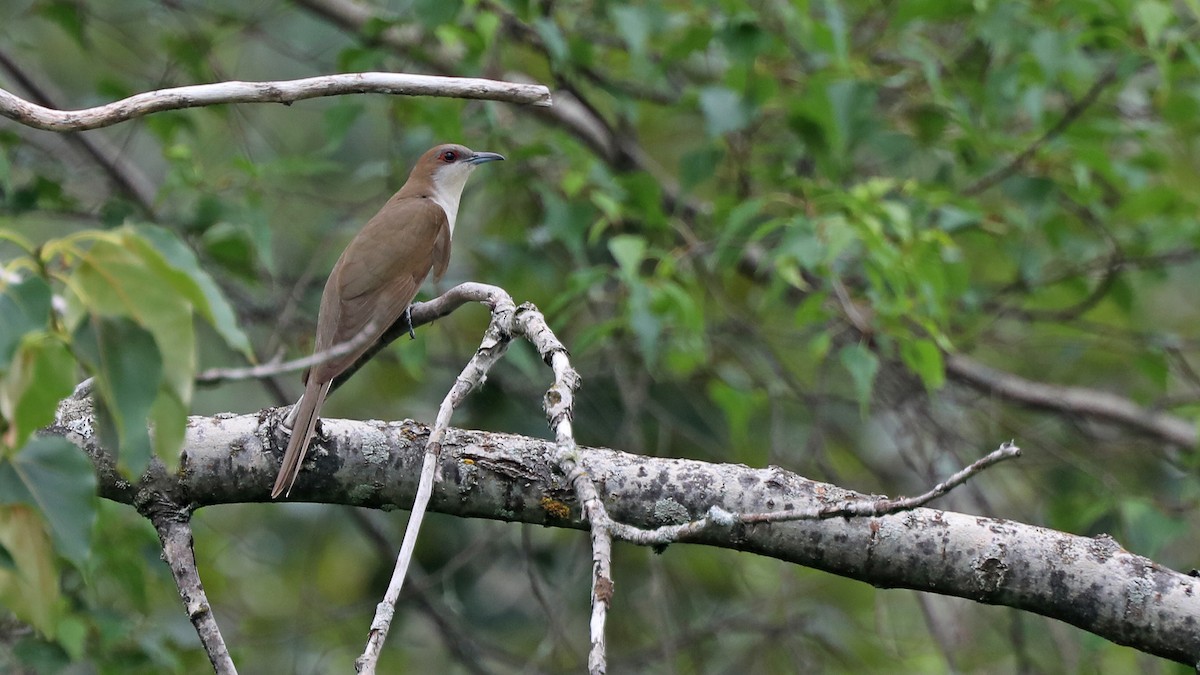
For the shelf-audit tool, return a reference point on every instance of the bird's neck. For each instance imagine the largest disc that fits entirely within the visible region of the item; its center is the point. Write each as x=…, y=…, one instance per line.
x=448, y=200
x=444, y=187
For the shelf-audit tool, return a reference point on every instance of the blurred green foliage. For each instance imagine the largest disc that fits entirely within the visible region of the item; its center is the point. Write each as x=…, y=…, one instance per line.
x=777, y=220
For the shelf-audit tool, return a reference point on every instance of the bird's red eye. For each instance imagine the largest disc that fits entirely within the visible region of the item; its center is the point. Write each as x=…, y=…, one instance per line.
x=449, y=156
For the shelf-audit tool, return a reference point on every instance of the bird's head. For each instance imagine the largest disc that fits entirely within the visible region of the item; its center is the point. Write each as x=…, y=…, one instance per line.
x=448, y=166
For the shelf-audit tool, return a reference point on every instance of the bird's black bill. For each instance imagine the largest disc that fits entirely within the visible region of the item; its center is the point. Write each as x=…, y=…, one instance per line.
x=484, y=157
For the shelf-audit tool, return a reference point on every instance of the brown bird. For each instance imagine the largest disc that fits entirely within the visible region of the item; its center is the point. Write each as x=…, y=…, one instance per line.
x=377, y=277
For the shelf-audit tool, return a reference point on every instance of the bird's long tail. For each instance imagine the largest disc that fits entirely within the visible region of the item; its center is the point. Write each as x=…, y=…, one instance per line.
x=304, y=424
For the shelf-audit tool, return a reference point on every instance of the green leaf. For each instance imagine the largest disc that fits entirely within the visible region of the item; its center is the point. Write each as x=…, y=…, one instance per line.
x=734, y=233
x=130, y=279
x=744, y=37
x=552, y=39
x=629, y=250
x=42, y=374
x=30, y=589
x=863, y=365
x=67, y=15
x=24, y=307
x=634, y=24
x=434, y=13
x=740, y=407
x=1154, y=17
x=1154, y=365
x=197, y=285
x=646, y=325
x=697, y=166
x=925, y=359
x=124, y=276
x=724, y=111
x=1122, y=294
x=339, y=118
x=232, y=247
x=644, y=196
x=54, y=477
x=850, y=105
x=129, y=372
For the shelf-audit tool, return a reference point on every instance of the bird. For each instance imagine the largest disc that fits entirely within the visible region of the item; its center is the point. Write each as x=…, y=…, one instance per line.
x=376, y=278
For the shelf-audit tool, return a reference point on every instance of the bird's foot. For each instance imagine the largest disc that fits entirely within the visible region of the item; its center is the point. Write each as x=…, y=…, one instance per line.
x=408, y=319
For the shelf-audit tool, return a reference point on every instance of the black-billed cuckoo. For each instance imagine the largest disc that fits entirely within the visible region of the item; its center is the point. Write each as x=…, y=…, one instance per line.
x=377, y=277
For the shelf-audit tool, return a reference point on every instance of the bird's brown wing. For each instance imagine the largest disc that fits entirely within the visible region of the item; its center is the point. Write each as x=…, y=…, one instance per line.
x=378, y=275
x=441, y=252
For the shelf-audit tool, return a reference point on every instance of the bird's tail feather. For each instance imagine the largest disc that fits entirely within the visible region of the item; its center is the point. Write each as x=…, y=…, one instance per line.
x=304, y=424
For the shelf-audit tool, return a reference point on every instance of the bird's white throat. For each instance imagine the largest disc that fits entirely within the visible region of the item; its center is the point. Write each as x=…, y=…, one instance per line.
x=448, y=184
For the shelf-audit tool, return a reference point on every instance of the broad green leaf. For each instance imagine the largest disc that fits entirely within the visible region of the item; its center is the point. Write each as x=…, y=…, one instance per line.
x=644, y=197
x=646, y=325
x=434, y=13
x=54, y=477
x=40, y=376
x=634, y=23
x=71, y=17
x=30, y=589
x=72, y=636
x=697, y=166
x=724, y=110
x=231, y=247
x=209, y=300
x=925, y=359
x=629, y=250
x=744, y=37
x=1149, y=529
x=1154, y=17
x=24, y=307
x=339, y=118
x=1154, y=366
x=133, y=280
x=739, y=407
x=1122, y=293
x=863, y=365
x=733, y=236
x=850, y=105
x=552, y=39
x=129, y=374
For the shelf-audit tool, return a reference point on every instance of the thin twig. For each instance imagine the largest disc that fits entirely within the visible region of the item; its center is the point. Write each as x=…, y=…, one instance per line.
x=1069, y=116
x=495, y=342
x=719, y=517
x=273, y=368
x=283, y=91
x=883, y=507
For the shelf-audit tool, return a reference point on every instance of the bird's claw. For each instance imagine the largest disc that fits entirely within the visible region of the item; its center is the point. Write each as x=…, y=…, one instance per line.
x=408, y=319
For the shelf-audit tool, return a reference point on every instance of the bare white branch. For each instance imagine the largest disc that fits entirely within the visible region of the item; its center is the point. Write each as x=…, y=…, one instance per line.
x=495, y=342
x=559, y=404
x=283, y=91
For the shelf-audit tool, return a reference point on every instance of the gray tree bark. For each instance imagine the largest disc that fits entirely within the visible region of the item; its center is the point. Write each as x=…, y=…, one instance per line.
x=1091, y=583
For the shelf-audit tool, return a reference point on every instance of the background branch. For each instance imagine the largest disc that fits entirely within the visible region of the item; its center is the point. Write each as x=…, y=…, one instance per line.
x=1080, y=401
